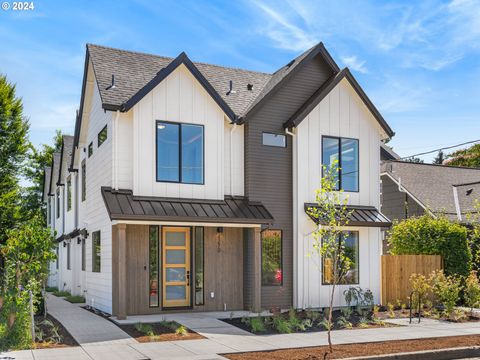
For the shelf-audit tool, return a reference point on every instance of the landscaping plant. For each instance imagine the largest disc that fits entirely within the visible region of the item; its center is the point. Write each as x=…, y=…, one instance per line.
x=446, y=290
x=332, y=213
x=472, y=291
x=421, y=288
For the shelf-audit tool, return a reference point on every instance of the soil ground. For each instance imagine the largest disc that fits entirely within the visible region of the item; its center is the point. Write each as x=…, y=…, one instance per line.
x=162, y=333
x=361, y=349
x=67, y=339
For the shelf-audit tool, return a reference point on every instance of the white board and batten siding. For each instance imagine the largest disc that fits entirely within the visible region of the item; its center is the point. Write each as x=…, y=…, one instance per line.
x=341, y=114
x=93, y=214
x=178, y=98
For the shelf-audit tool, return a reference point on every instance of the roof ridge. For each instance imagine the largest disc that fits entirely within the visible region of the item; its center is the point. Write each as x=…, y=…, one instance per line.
x=438, y=165
x=173, y=58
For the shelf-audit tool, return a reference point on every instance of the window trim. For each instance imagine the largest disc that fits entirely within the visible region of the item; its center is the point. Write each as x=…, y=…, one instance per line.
x=179, y=152
x=84, y=255
x=57, y=208
x=69, y=193
x=357, y=259
x=83, y=167
x=261, y=258
x=339, y=138
x=69, y=265
x=274, y=146
x=93, y=252
x=98, y=136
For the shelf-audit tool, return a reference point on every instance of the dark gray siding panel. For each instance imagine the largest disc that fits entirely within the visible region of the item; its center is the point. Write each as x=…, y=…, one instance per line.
x=268, y=170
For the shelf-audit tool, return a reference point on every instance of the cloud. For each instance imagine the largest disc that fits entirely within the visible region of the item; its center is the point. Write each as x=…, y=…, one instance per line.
x=355, y=64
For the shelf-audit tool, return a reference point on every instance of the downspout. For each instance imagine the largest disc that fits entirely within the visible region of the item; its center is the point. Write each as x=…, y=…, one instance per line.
x=114, y=151
x=232, y=129
x=457, y=204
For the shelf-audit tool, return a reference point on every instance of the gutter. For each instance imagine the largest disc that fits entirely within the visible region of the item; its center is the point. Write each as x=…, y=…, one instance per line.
x=114, y=151
x=457, y=204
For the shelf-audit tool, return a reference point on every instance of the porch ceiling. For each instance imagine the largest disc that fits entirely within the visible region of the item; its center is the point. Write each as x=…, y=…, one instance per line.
x=123, y=205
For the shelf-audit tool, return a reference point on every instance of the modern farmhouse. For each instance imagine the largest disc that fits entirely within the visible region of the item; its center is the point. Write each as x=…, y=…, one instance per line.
x=185, y=185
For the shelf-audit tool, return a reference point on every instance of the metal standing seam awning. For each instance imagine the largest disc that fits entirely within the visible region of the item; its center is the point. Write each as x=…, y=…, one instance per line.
x=367, y=216
x=123, y=205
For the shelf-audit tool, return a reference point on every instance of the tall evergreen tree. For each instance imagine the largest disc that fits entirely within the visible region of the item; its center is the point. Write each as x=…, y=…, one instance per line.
x=13, y=149
x=440, y=158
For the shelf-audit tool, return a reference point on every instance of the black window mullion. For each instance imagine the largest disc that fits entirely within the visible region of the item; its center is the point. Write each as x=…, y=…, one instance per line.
x=340, y=185
x=180, y=153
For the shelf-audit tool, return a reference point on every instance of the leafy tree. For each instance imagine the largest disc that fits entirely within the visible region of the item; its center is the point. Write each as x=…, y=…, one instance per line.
x=469, y=157
x=331, y=213
x=440, y=158
x=37, y=160
x=414, y=159
x=13, y=149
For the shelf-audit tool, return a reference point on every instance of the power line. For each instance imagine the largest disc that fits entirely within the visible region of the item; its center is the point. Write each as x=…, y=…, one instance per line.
x=443, y=148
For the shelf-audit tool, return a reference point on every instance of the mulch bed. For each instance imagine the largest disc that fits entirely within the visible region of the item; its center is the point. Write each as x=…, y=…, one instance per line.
x=354, y=319
x=361, y=349
x=67, y=339
x=162, y=333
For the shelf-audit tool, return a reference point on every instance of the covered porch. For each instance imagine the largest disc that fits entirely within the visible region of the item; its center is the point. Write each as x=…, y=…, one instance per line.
x=172, y=255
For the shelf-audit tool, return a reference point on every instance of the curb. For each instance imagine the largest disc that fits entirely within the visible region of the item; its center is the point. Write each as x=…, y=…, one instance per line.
x=438, y=354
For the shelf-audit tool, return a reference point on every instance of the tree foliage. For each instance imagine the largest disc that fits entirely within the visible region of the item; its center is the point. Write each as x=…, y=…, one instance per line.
x=13, y=149
x=469, y=157
x=426, y=235
x=440, y=158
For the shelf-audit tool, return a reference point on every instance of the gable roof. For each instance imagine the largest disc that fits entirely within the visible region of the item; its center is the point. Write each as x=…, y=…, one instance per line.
x=431, y=184
x=325, y=89
x=65, y=156
x=387, y=153
x=468, y=196
x=54, y=172
x=47, y=170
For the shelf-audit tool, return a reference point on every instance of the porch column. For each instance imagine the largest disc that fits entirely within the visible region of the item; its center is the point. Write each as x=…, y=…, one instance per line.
x=257, y=270
x=122, y=271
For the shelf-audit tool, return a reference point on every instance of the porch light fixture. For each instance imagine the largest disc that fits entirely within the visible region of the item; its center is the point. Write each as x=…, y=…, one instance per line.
x=64, y=244
x=79, y=240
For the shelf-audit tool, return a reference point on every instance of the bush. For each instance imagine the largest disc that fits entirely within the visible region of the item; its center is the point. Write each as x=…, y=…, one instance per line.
x=51, y=289
x=446, y=289
x=426, y=235
x=421, y=288
x=472, y=291
x=62, y=293
x=75, y=299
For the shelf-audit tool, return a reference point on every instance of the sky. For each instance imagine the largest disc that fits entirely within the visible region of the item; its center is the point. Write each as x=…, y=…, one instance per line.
x=418, y=61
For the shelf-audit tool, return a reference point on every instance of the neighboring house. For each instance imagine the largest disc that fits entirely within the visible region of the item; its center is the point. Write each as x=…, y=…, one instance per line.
x=191, y=183
x=412, y=189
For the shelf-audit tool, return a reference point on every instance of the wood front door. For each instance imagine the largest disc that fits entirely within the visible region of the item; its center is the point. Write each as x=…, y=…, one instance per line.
x=176, y=266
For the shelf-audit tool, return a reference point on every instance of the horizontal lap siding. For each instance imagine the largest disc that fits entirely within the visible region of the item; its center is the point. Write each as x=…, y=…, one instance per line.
x=268, y=170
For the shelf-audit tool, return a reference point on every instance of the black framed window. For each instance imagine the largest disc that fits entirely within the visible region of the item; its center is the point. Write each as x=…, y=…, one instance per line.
x=345, y=152
x=58, y=203
x=57, y=251
x=90, y=149
x=349, y=240
x=153, y=251
x=277, y=140
x=96, y=251
x=272, y=270
x=69, y=193
x=102, y=136
x=68, y=257
x=180, y=153
x=83, y=255
x=199, y=266
x=84, y=180
x=49, y=208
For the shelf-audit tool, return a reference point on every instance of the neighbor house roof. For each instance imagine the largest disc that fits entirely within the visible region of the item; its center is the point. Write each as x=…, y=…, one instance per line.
x=468, y=197
x=432, y=185
x=47, y=171
x=65, y=156
x=359, y=216
x=54, y=172
x=387, y=153
x=123, y=205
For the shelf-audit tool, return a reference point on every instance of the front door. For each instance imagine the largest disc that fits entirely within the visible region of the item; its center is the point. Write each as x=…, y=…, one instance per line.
x=176, y=266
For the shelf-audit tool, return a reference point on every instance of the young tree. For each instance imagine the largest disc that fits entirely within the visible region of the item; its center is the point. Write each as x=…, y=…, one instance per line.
x=331, y=213
x=33, y=172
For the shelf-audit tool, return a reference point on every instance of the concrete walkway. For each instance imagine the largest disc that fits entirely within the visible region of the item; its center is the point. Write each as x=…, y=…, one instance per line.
x=85, y=327
x=223, y=338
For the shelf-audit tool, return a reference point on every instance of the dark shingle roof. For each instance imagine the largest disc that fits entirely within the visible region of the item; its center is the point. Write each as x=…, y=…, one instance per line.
x=65, y=156
x=122, y=205
x=431, y=184
x=133, y=70
x=54, y=172
x=468, y=198
x=46, y=182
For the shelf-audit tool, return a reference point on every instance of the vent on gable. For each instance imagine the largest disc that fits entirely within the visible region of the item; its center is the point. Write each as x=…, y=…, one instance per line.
x=112, y=85
x=249, y=87
x=231, y=91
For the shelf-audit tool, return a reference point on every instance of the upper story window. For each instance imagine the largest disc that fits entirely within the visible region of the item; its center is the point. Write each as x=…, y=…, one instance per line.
x=69, y=193
x=58, y=203
x=84, y=180
x=90, y=149
x=180, y=153
x=345, y=151
x=102, y=136
x=277, y=140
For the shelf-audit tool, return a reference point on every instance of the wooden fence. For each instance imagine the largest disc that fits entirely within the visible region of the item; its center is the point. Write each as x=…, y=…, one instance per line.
x=396, y=271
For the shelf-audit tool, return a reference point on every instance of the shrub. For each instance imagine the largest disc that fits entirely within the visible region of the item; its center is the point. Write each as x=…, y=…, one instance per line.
x=62, y=293
x=446, y=289
x=426, y=235
x=421, y=288
x=281, y=325
x=181, y=330
x=51, y=289
x=145, y=329
x=472, y=291
x=75, y=299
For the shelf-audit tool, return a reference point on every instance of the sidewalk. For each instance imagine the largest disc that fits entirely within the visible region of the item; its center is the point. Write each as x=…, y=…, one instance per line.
x=224, y=338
